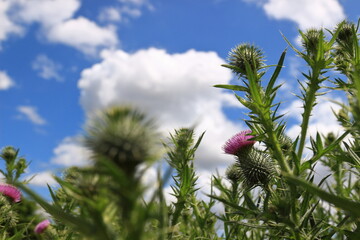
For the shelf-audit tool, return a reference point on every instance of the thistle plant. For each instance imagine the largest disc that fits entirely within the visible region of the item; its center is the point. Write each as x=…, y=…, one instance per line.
x=267, y=192
x=293, y=206
x=180, y=154
x=17, y=214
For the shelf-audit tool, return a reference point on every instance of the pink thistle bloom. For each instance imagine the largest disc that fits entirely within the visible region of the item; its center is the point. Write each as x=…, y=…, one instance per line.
x=10, y=191
x=41, y=226
x=238, y=143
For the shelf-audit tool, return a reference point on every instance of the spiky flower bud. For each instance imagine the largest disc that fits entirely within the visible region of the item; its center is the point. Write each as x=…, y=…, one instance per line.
x=242, y=54
x=233, y=173
x=344, y=50
x=9, y=154
x=311, y=40
x=239, y=144
x=286, y=143
x=256, y=169
x=346, y=33
x=122, y=135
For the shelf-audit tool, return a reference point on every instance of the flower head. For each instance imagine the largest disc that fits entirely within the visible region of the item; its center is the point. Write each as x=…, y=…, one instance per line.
x=10, y=191
x=244, y=54
x=239, y=143
x=123, y=135
x=41, y=226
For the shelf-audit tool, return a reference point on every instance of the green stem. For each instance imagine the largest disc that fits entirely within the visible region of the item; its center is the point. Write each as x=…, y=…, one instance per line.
x=276, y=147
x=310, y=98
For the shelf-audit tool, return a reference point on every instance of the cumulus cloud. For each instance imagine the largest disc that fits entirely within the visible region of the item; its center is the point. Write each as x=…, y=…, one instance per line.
x=305, y=13
x=47, y=13
x=5, y=81
x=176, y=89
x=7, y=26
x=70, y=152
x=84, y=35
x=31, y=114
x=47, y=68
x=42, y=179
x=58, y=25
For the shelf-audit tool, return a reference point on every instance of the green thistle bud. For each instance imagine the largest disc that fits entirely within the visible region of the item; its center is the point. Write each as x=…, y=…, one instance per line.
x=311, y=40
x=233, y=173
x=344, y=50
x=346, y=33
x=122, y=135
x=9, y=154
x=286, y=143
x=256, y=169
x=245, y=53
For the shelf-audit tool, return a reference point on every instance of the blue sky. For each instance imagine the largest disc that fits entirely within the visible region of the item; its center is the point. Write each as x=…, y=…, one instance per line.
x=61, y=60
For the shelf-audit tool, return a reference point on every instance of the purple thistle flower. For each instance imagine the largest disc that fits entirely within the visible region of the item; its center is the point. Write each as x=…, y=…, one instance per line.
x=10, y=191
x=238, y=143
x=41, y=226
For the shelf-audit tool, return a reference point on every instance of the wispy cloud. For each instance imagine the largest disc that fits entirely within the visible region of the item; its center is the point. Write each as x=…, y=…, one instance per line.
x=47, y=68
x=31, y=114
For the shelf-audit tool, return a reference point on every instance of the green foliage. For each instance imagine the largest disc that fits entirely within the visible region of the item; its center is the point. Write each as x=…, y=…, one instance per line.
x=294, y=207
x=267, y=193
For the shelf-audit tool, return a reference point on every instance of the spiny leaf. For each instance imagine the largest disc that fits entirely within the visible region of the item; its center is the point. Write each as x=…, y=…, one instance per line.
x=346, y=204
x=232, y=87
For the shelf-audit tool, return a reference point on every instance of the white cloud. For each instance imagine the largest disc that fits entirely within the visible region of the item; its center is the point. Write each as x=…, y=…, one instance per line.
x=7, y=26
x=84, y=35
x=58, y=25
x=47, y=13
x=42, y=179
x=30, y=113
x=47, y=68
x=322, y=119
x=119, y=14
x=176, y=89
x=110, y=14
x=5, y=81
x=70, y=153
x=305, y=13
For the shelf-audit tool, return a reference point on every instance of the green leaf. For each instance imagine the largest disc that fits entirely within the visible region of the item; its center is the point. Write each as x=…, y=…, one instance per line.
x=240, y=209
x=324, y=151
x=275, y=74
x=352, y=207
x=78, y=224
x=249, y=202
x=232, y=87
x=253, y=84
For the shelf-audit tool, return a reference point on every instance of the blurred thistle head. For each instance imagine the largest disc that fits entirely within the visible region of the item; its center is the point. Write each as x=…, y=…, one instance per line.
x=346, y=34
x=233, y=173
x=286, y=143
x=42, y=226
x=242, y=54
x=311, y=40
x=10, y=191
x=255, y=169
x=239, y=144
x=122, y=135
